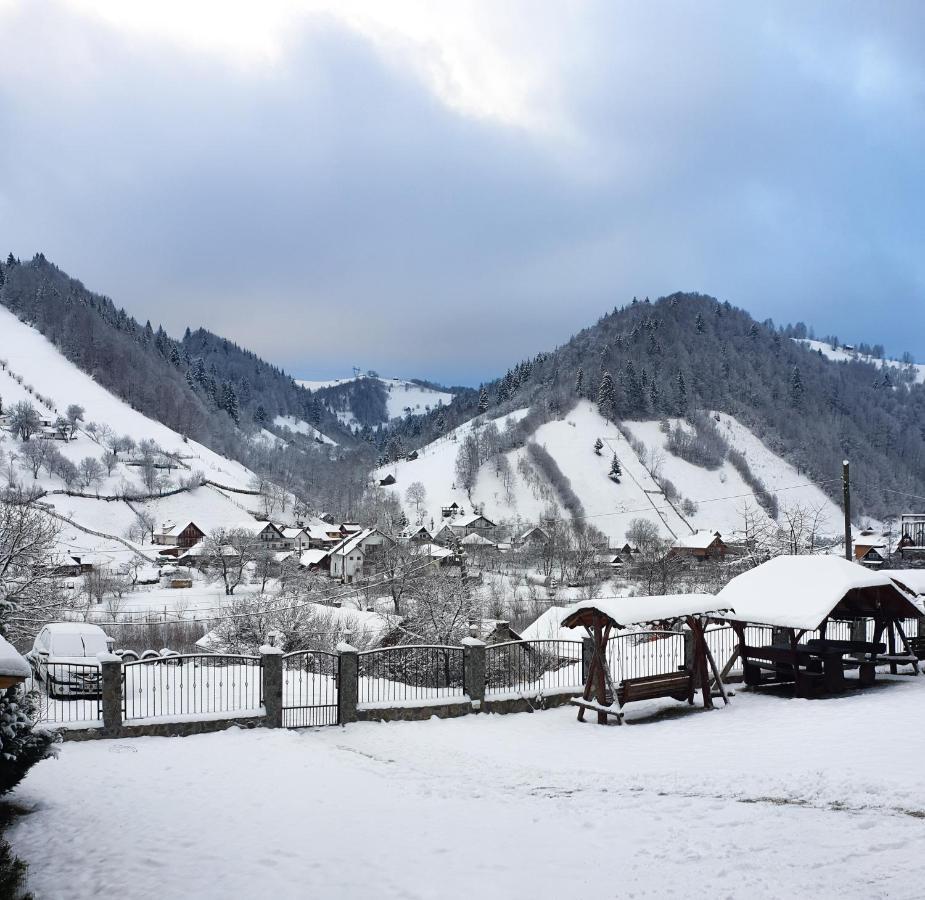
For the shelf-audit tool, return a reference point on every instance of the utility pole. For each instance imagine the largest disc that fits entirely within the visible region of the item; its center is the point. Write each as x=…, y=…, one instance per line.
x=846, y=487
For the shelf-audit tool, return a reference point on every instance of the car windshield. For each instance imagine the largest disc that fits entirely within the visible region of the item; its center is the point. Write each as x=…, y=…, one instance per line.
x=78, y=644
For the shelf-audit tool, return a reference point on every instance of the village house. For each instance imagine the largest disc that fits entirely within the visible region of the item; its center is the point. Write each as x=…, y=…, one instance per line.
x=387, y=481
x=416, y=534
x=182, y=534
x=315, y=560
x=533, y=537
x=355, y=557
x=441, y=557
x=296, y=538
x=471, y=524
x=700, y=546
x=871, y=549
x=266, y=533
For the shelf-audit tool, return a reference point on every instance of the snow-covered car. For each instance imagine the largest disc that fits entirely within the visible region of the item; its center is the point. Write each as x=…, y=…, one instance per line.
x=64, y=658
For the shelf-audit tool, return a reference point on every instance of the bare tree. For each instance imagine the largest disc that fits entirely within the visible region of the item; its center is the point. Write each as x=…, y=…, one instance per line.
x=24, y=420
x=802, y=529
x=110, y=460
x=229, y=552
x=416, y=494
x=74, y=415
x=35, y=453
x=90, y=471
x=30, y=593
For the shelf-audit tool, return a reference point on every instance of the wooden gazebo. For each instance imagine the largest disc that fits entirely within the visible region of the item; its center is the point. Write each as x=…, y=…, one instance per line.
x=671, y=613
x=796, y=595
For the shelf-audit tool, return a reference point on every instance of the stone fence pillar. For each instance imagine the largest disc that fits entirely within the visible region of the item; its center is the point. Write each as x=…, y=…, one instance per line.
x=111, y=693
x=271, y=664
x=348, y=683
x=474, y=670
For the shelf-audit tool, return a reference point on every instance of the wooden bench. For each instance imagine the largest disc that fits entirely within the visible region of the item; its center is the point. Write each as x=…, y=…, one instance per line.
x=676, y=685
x=810, y=669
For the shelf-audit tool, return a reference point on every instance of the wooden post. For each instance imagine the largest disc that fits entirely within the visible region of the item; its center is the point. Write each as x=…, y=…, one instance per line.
x=846, y=491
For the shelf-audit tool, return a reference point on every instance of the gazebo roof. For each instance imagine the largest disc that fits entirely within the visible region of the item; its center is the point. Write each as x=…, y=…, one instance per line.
x=624, y=612
x=801, y=591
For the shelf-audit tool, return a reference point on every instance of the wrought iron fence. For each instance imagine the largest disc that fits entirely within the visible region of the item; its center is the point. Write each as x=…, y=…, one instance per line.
x=410, y=673
x=645, y=653
x=310, y=684
x=191, y=684
x=66, y=693
x=532, y=666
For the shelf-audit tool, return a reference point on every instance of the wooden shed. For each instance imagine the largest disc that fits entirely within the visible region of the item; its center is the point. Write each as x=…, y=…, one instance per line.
x=672, y=615
x=817, y=607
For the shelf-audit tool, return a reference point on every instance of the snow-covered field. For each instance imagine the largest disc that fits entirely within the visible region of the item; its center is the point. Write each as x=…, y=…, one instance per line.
x=767, y=798
x=719, y=494
x=917, y=370
x=402, y=397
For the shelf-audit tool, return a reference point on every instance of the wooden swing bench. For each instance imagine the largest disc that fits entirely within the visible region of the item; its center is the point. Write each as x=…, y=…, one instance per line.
x=677, y=685
x=607, y=698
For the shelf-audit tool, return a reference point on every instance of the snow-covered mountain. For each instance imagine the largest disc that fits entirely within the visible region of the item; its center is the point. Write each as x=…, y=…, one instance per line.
x=913, y=372
x=399, y=397
x=519, y=492
x=96, y=525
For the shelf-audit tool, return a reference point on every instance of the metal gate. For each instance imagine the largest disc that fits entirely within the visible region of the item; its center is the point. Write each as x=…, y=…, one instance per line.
x=310, y=682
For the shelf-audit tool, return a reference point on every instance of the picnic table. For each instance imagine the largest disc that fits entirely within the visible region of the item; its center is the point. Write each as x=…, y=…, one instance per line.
x=818, y=666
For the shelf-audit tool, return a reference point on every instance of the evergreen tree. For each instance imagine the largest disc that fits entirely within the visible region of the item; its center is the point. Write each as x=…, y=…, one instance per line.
x=483, y=399
x=615, y=470
x=260, y=415
x=699, y=323
x=175, y=356
x=605, y=396
x=579, y=381
x=598, y=446
x=681, y=394
x=796, y=388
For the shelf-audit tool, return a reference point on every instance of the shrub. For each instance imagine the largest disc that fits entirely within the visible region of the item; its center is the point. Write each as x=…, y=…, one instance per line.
x=20, y=746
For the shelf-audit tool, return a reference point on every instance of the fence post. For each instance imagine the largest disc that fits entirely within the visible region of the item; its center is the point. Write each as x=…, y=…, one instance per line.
x=474, y=670
x=111, y=693
x=271, y=664
x=919, y=627
x=587, y=654
x=859, y=630
x=689, y=650
x=348, y=683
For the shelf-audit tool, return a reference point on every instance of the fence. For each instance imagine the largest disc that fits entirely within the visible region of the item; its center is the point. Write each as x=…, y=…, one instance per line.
x=645, y=653
x=532, y=667
x=194, y=684
x=67, y=693
x=395, y=675
x=310, y=695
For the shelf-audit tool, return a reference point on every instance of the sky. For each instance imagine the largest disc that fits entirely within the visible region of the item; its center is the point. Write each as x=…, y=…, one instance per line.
x=438, y=190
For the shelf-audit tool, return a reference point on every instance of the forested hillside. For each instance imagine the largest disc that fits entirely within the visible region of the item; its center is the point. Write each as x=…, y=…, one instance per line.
x=689, y=352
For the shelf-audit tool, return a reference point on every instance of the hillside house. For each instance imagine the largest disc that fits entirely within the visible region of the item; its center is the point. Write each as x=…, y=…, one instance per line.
x=911, y=535
x=471, y=524
x=266, y=533
x=871, y=550
x=700, y=546
x=533, y=537
x=357, y=555
x=182, y=534
x=315, y=560
x=388, y=481
x=451, y=511
x=441, y=557
x=476, y=541
x=416, y=534
x=297, y=538
x=445, y=534
x=627, y=552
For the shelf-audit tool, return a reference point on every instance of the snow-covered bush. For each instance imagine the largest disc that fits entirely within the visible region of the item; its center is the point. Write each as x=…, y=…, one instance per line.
x=20, y=746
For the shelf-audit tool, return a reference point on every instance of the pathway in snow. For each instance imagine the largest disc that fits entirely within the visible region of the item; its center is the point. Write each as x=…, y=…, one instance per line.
x=770, y=797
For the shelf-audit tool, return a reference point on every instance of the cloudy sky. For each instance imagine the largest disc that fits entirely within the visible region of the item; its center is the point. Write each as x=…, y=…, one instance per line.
x=438, y=189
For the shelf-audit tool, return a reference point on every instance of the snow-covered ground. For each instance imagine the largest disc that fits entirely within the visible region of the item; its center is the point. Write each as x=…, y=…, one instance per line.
x=916, y=370
x=299, y=426
x=767, y=798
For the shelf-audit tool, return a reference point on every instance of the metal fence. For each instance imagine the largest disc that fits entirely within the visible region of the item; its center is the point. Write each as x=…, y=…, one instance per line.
x=532, y=667
x=310, y=682
x=192, y=684
x=65, y=693
x=645, y=653
x=412, y=673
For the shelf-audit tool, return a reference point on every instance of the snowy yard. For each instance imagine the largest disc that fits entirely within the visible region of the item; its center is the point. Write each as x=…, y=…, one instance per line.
x=770, y=797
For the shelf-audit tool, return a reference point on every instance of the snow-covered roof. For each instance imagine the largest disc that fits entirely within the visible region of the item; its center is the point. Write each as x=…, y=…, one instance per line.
x=699, y=540
x=323, y=532
x=12, y=665
x=911, y=579
x=292, y=532
x=477, y=540
x=312, y=557
x=434, y=551
x=801, y=591
x=626, y=611
x=870, y=540
x=548, y=627
x=471, y=519
x=352, y=542
x=253, y=526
